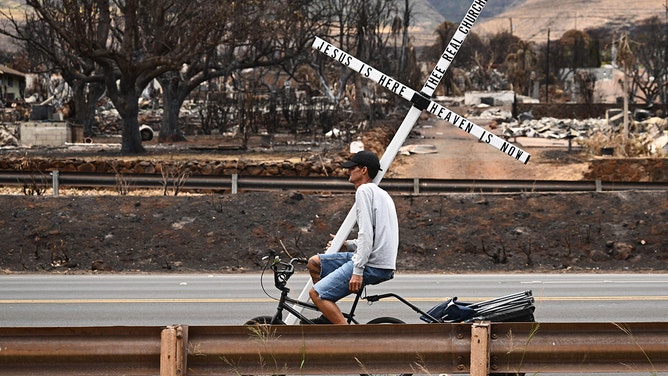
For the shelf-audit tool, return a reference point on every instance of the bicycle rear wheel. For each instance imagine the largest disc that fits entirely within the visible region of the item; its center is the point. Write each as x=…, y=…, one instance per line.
x=386, y=320
x=262, y=320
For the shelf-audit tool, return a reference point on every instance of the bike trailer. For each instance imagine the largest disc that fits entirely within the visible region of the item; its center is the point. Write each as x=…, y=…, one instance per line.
x=516, y=307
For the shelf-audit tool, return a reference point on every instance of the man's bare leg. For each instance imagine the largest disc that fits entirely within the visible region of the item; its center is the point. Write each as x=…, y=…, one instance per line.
x=328, y=308
x=314, y=268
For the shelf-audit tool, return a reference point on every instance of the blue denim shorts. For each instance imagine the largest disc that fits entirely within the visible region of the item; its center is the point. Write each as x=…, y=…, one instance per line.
x=336, y=271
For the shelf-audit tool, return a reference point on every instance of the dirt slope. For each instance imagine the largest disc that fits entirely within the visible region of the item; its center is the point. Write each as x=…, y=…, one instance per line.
x=443, y=233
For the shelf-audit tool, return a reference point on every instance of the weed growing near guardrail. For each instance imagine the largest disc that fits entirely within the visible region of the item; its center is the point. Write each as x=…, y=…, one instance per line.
x=178, y=174
x=266, y=336
x=37, y=185
x=122, y=182
x=628, y=332
x=216, y=203
x=522, y=347
x=59, y=256
x=498, y=256
x=526, y=249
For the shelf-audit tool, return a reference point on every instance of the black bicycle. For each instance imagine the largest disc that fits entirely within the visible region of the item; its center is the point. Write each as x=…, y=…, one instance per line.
x=517, y=307
x=283, y=270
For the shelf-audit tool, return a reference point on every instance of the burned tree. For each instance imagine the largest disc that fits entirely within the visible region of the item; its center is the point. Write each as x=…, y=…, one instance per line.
x=649, y=72
x=356, y=26
x=48, y=53
x=133, y=42
x=256, y=34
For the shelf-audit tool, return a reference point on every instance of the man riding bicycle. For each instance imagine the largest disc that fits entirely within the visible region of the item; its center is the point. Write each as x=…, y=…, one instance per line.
x=371, y=258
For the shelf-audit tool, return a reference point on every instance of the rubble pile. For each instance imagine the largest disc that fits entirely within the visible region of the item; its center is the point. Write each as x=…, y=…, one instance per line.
x=652, y=131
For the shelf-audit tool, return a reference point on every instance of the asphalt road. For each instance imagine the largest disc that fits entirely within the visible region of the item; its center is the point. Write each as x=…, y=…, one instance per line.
x=231, y=299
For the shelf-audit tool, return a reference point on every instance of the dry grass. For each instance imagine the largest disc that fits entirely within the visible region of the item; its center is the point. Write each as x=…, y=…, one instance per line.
x=636, y=145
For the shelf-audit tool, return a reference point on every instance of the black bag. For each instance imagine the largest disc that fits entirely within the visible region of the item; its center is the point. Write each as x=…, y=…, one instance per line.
x=449, y=311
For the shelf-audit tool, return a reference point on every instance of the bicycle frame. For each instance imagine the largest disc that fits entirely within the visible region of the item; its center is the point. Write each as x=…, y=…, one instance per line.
x=286, y=303
x=376, y=298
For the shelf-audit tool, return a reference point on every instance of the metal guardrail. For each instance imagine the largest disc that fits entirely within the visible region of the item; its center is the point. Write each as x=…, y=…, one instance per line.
x=478, y=349
x=236, y=183
x=80, y=351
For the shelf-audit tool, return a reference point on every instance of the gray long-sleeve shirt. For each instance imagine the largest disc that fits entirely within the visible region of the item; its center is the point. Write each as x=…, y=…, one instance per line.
x=377, y=240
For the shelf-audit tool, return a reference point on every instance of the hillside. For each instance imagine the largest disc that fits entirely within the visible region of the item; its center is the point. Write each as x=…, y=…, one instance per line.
x=453, y=233
x=531, y=19
x=454, y=10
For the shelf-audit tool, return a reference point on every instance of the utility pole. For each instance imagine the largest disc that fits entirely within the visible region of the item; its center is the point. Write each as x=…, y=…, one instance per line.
x=547, y=67
x=626, y=59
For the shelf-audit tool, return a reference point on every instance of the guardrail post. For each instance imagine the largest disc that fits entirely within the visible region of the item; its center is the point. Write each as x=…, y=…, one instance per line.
x=173, y=351
x=416, y=186
x=55, y=176
x=480, y=349
x=235, y=183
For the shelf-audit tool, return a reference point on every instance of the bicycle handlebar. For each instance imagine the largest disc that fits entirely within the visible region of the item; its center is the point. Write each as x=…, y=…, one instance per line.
x=282, y=270
x=277, y=260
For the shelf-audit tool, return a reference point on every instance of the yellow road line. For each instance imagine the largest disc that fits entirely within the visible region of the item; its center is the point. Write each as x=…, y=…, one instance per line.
x=104, y=301
x=268, y=300
x=554, y=298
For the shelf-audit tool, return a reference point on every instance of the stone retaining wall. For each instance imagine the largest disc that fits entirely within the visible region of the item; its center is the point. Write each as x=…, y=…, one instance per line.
x=374, y=140
x=605, y=169
x=219, y=167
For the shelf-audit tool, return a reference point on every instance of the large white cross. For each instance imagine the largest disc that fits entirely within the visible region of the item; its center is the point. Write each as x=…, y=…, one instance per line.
x=421, y=101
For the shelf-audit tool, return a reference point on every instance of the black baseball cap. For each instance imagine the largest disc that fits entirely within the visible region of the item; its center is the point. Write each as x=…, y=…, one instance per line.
x=364, y=158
